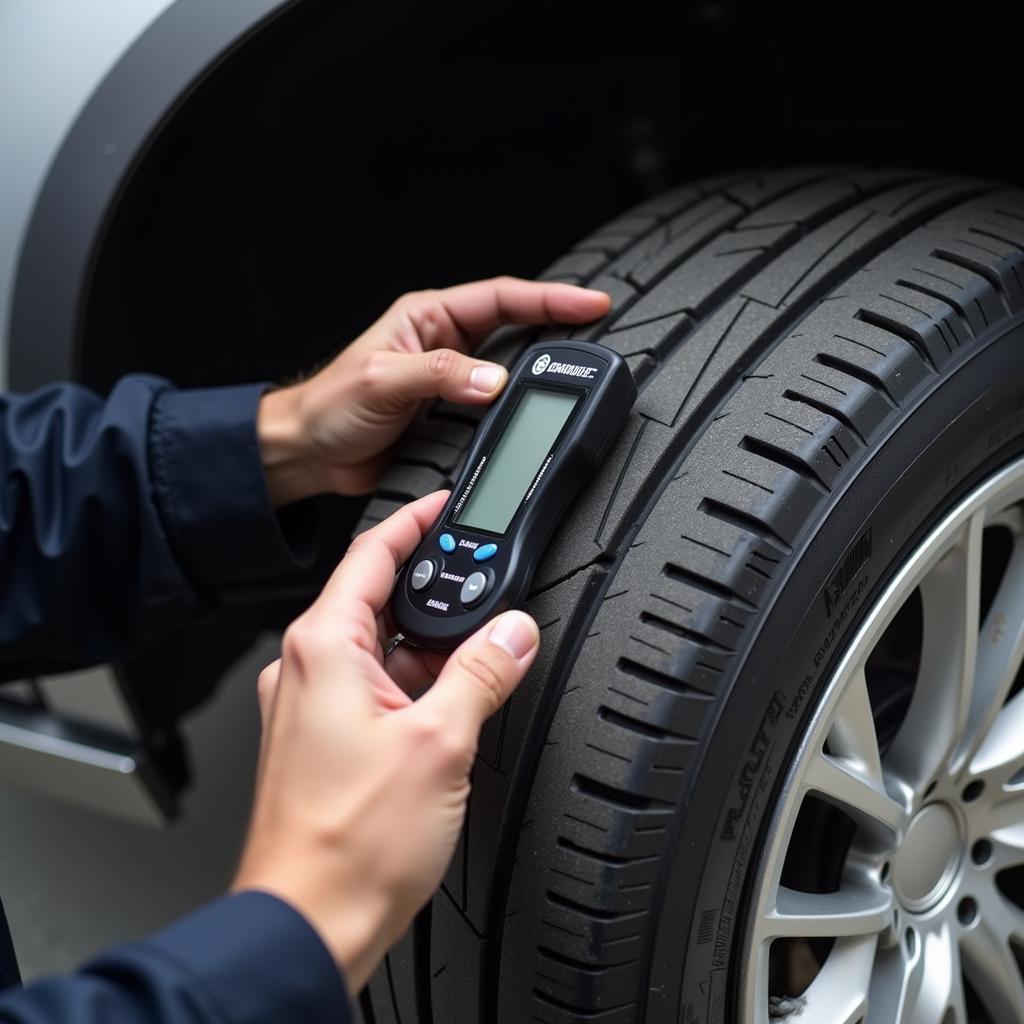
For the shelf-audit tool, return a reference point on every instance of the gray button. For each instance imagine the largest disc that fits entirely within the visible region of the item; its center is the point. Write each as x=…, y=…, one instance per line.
x=423, y=575
x=473, y=589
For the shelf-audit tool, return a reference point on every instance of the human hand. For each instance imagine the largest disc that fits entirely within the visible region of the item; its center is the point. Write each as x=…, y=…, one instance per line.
x=362, y=791
x=332, y=432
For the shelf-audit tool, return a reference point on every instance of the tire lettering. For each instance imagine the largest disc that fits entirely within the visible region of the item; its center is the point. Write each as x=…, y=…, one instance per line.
x=751, y=770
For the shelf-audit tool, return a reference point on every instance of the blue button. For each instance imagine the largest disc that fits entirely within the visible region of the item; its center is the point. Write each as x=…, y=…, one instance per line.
x=484, y=552
x=447, y=542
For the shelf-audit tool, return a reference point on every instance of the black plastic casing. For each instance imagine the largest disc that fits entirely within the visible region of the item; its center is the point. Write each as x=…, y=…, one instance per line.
x=602, y=380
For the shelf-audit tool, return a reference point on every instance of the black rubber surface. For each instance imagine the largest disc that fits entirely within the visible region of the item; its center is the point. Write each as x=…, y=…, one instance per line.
x=780, y=326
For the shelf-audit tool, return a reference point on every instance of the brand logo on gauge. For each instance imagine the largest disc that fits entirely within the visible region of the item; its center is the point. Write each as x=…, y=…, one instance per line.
x=540, y=364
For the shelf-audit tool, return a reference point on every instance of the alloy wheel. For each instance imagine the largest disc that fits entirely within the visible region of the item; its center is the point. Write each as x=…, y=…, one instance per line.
x=909, y=788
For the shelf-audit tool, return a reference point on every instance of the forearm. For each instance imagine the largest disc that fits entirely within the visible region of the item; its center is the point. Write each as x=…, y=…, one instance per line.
x=85, y=566
x=121, y=518
x=247, y=959
x=292, y=471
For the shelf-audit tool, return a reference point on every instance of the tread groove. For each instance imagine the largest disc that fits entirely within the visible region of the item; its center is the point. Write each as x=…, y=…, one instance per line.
x=579, y=1012
x=872, y=380
x=781, y=457
x=616, y=797
x=743, y=521
x=651, y=675
x=681, y=574
x=934, y=293
x=613, y=717
x=683, y=632
x=599, y=856
x=598, y=914
x=580, y=965
x=975, y=267
x=827, y=410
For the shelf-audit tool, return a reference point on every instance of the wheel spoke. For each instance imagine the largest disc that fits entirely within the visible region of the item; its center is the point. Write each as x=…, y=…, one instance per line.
x=894, y=977
x=1007, y=847
x=1000, y=651
x=1008, y=814
x=853, y=738
x=942, y=697
x=924, y=987
x=856, y=909
x=839, y=992
x=935, y=987
x=863, y=798
x=991, y=966
x=1001, y=753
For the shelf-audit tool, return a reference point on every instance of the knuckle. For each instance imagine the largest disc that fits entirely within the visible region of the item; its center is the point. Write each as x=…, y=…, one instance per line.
x=438, y=737
x=452, y=748
x=360, y=541
x=292, y=643
x=441, y=363
x=429, y=725
x=373, y=372
x=413, y=298
x=304, y=642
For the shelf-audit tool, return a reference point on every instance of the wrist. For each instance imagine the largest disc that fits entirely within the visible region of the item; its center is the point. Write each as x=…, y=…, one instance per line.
x=288, y=461
x=355, y=931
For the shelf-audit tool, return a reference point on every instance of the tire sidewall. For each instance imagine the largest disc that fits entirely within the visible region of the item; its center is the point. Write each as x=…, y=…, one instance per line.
x=969, y=423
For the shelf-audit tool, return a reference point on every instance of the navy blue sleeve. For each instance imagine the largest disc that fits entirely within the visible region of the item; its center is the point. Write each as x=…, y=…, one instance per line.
x=122, y=517
x=246, y=959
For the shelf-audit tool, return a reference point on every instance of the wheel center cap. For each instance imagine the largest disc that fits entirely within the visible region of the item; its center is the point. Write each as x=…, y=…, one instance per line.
x=928, y=859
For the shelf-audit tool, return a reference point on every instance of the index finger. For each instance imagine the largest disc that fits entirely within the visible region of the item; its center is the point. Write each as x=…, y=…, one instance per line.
x=365, y=577
x=480, y=307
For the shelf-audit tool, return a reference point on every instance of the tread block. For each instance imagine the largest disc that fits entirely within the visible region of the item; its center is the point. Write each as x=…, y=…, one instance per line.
x=999, y=263
x=410, y=479
x=622, y=293
x=624, y=832
x=762, y=188
x=444, y=458
x=808, y=203
x=647, y=246
x=576, y=265
x=694, y=286
x=456, y=956
x=566, y=977
x=654, y=336
x=663, y=207
x=577, y=873
x=691, y=373
x=687, y=232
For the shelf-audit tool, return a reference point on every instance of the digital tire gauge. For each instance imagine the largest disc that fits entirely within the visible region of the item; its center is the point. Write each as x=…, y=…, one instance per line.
x=562, y=410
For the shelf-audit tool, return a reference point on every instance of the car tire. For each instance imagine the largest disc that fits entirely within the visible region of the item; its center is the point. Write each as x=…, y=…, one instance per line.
x=829, y=360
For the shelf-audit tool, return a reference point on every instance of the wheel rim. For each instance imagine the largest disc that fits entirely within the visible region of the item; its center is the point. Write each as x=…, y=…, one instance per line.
x=932, y=818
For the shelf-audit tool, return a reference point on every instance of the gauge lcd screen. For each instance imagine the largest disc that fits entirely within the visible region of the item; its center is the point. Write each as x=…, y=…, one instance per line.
x=529, y=435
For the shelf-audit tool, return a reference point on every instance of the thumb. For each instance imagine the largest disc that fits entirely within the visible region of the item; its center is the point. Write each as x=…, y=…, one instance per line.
x=482, y=673
x=403, y=377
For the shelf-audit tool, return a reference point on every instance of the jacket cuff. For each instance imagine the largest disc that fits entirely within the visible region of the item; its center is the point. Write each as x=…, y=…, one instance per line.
x=211, y=489
x=258, y=959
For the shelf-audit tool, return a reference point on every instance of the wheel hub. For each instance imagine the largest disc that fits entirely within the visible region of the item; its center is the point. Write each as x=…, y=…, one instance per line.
x=926, y=865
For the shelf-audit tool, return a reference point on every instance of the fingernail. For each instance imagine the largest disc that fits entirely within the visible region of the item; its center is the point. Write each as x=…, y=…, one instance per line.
x=514, y=632
x=485, y=378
